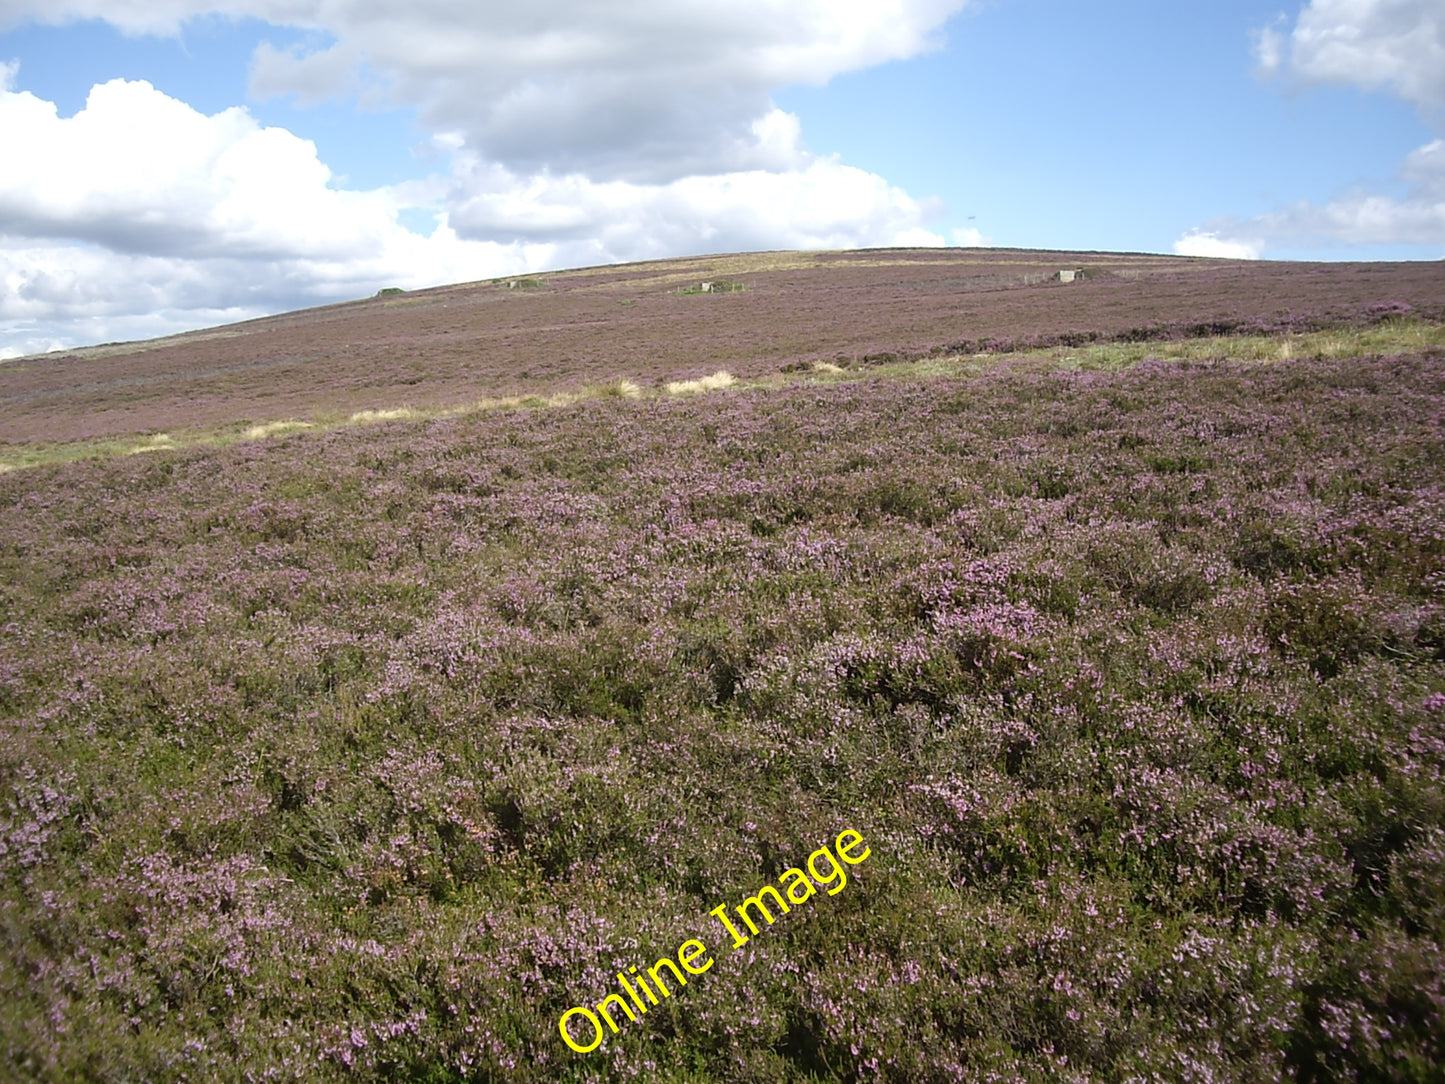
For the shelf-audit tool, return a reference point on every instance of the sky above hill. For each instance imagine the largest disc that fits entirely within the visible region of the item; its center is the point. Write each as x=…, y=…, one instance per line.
x=170, y=164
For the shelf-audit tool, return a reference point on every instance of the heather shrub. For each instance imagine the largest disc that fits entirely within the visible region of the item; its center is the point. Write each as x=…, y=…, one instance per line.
x=366, y=753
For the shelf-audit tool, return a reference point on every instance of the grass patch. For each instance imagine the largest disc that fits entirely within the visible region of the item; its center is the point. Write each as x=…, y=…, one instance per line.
x=614, y=389
x=716, y=382
x=366, y=417
x=1397, y=336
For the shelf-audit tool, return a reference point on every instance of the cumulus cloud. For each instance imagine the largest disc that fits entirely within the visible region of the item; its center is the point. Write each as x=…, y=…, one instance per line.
x=138, y=171
x=55, y=293
x=802, y=202
x=1269, y=47
x=1393, y=45
x=969, y=237
x=312, y=77
x=641, y=90
x=1361, y=219
x=1209, y=243
x=162, y=17
x=1424, y=171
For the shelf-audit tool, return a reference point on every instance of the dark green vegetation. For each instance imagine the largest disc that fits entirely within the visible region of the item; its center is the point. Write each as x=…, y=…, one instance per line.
x=367, y=753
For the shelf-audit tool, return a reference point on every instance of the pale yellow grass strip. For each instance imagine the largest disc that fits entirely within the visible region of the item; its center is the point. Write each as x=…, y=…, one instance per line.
x=271, y=429
x=384, y=415
x=158, y=443
x=720, y=379
x=624, y=389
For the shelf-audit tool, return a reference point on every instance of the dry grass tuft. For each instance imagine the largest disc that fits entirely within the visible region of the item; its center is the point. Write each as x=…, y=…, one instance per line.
x=719, y=380
x=365, y=416
x=616, y=389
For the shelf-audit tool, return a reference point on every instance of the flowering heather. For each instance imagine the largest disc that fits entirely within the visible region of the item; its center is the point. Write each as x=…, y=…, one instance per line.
x=366, y=753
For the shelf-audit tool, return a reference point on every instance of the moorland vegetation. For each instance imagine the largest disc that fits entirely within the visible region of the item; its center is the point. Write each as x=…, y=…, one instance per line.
x=367, y=751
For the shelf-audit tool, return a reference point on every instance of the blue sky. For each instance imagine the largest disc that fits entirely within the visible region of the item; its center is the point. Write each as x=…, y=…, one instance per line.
x=179, y=163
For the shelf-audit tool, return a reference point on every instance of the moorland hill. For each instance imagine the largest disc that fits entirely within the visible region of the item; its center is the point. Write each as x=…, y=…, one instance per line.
x=651, y=323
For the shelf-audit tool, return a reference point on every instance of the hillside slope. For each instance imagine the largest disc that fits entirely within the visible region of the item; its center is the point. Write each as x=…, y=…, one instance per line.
x=442, y=347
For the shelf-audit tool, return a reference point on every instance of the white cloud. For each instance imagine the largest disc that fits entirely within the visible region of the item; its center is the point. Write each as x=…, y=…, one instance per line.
x=1201, y=243
x=1269, y=47
x=1392, y=45
x=1362, y=219
x=1357, y=218
x=55, y=293
x=969, y=237
x=1424, y=171
x=641, y=90
x=312, y=77
x=153, y=16
x=138, y=171
x=790, y=200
